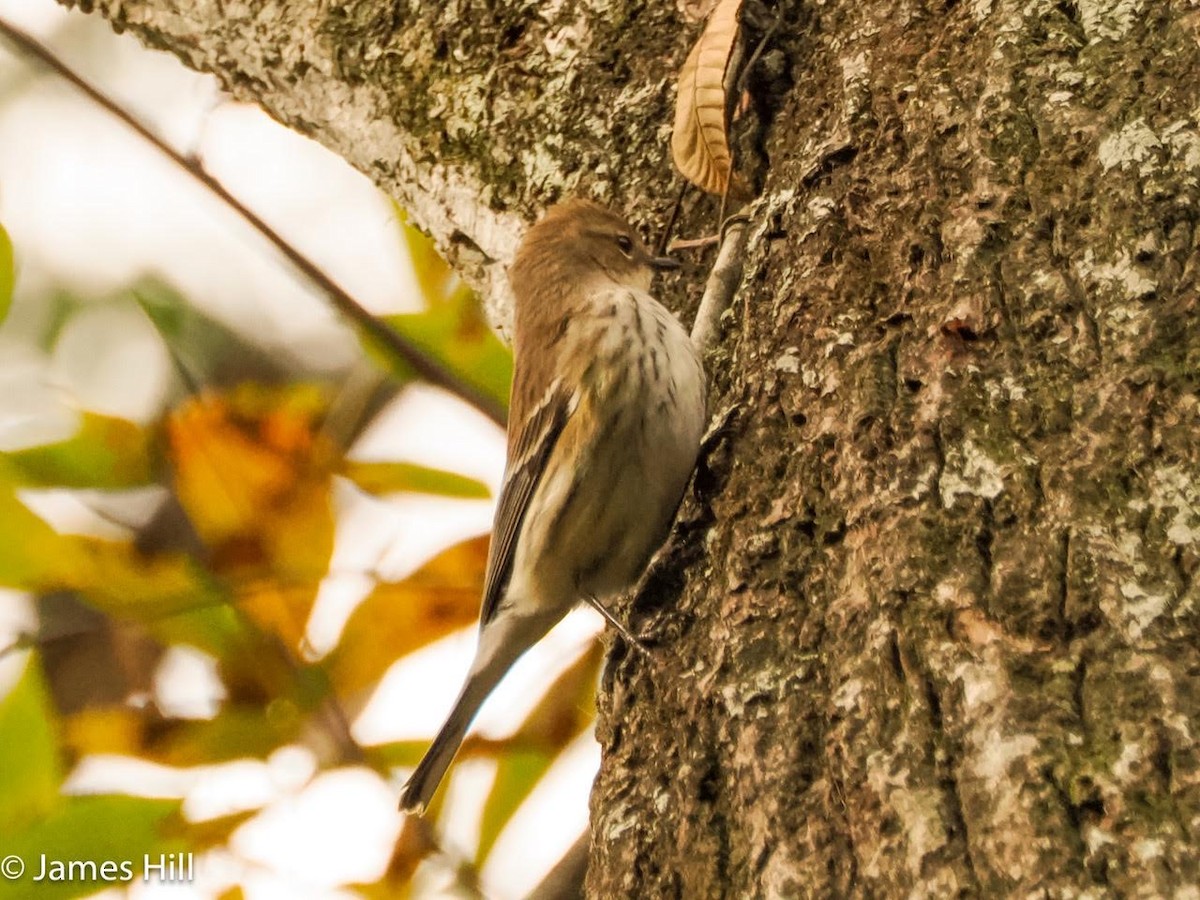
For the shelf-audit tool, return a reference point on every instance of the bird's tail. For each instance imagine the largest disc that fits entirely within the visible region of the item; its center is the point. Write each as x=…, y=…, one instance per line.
x=423, y=783
x=501, y=643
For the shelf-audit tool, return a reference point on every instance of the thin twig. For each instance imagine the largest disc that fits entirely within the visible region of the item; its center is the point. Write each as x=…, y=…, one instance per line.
x=723, y=282
x=665, y=240
x=421, y=362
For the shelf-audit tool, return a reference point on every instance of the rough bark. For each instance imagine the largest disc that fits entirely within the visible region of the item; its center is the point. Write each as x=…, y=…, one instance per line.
x=930, y=626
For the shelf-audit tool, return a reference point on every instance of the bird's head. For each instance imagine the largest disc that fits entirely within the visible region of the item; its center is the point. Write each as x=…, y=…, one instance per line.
x=578, y=244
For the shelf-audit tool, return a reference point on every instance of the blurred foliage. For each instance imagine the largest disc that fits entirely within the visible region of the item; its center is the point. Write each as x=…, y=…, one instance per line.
x=242, y=464
x=7, y=273
x=452, y=326
x=36, y=818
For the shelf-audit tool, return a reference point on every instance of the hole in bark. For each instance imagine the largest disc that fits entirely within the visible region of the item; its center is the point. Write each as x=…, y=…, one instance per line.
x=512, y=35
x=897, y=659
x=1161, y=757
x=707, y=792
x=834, y=535
x=983, y=541
x=707, y=481
x=960, y=329
x=1090, y=806
x=1049, y=630
x=935, y=704
x=1070, y=10
x=913, y=384
x=1083, y=626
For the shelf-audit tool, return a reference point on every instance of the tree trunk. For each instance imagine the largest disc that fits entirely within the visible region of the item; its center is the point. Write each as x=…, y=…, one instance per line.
x=930, y=625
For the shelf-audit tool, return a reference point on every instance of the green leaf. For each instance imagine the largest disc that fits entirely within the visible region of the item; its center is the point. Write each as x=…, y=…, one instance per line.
x=206, y=351
x=452, y=329
x=32, y=554
x=125, y=583
x=236, y=732
x=217, y=629
x=59, y=308
x=111, y=576
x=517, y=774
x=30, y=769
x=457, y=334
x=8, y=273
x=115, y=828
x=381, y=478
x=106, y=452
x=395, y=754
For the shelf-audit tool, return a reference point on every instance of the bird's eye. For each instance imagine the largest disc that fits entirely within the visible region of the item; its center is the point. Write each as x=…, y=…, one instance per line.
x=626, y=244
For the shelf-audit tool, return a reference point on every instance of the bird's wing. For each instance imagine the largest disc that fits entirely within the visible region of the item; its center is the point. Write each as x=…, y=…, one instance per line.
x=530, y=451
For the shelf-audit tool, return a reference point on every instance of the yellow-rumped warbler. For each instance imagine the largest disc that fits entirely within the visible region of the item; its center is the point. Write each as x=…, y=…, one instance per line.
x=607, y=411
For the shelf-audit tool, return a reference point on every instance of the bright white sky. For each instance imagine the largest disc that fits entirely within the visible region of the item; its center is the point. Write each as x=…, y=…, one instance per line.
x=89, y=206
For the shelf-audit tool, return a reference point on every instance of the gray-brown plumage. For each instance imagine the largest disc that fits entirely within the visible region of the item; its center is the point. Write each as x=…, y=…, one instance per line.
x=606, y=414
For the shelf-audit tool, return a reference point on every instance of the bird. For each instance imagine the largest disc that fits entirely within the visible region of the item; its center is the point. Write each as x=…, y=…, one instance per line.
x=607, y=411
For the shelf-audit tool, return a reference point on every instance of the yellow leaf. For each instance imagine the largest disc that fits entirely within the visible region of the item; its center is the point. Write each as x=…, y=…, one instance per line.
x=700, y=139
x=397, y=618
x=110, y=729
x=382, y=478
x=567, y=707
x=439, y=283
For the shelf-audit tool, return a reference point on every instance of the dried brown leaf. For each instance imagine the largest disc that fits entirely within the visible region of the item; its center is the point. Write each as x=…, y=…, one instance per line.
x=700, y=140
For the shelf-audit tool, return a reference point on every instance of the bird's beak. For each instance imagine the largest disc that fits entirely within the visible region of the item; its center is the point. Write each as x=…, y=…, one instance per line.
x=664, y=263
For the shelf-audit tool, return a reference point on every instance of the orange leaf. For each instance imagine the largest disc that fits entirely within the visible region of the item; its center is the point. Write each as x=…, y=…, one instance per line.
x=255, y=476
x=225, y=473
x=278, y=610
